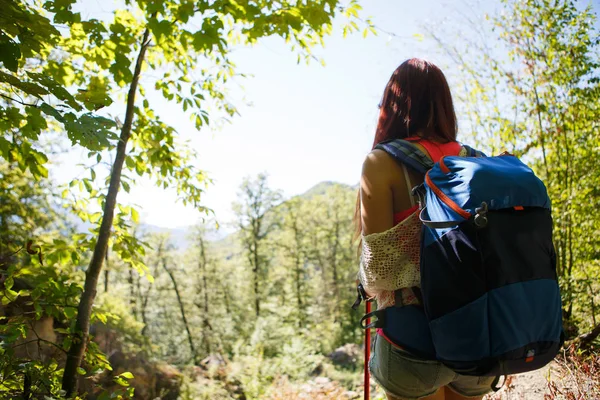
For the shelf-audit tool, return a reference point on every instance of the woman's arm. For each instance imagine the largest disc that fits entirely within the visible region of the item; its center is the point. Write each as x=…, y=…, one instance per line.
x=376, y=201
x=384, y=264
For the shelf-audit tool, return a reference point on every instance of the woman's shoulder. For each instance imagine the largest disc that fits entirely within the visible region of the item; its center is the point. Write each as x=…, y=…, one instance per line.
x=380, y=170
x=378, y=162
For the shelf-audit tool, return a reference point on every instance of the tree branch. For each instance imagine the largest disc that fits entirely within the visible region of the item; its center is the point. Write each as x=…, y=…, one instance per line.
x=17, y=101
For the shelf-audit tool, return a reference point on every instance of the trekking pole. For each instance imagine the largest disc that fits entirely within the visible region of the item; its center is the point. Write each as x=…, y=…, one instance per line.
x=362, y=296
x=367, y=351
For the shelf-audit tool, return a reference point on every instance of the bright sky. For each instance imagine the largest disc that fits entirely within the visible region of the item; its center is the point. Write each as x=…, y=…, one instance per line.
x=305, y=124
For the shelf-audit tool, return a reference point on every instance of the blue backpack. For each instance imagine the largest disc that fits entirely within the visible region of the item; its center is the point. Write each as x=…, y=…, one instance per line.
x=490, y=301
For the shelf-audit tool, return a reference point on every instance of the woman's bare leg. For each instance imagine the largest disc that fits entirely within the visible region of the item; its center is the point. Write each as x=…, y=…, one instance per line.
x=439, y=395
x=452, y=395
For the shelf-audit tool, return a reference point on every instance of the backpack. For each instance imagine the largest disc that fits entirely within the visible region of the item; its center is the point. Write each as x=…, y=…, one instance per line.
x=490, y=302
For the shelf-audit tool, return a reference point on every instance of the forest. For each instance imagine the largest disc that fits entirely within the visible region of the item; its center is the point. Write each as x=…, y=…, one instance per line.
x=96, y=304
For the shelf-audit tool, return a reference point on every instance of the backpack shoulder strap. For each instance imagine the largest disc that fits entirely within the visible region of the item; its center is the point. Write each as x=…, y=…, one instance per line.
x=471, y=152
x=407, y=154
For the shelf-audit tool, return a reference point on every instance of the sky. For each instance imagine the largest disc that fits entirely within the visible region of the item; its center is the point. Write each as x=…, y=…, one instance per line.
x=302, y=124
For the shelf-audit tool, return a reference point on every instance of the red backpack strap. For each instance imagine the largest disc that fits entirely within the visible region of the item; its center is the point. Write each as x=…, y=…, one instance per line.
x=438, y=150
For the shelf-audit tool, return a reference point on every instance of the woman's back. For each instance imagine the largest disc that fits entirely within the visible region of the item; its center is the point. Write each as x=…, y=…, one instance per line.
x=399, y=180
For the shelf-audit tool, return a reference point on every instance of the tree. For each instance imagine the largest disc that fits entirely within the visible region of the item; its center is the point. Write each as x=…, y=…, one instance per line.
x=164, y=261
x=292, y=241
x=202, y=290
x=331, y=227
x=256, y=200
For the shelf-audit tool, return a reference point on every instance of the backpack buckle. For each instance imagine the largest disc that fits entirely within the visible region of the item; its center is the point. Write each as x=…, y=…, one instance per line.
x=480, y=216
x=419, y=192
x=361, y=295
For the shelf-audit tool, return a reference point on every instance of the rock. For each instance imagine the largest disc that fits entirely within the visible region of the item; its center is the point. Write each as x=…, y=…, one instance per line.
x=318, y=370
x=213, y=361
x=346, y=355
x=151, y=379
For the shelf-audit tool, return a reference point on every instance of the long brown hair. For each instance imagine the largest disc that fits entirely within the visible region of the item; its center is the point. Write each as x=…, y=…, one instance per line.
x=416, y=102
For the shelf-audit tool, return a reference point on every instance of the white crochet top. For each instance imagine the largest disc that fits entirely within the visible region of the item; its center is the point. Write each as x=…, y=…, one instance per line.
x=390, y=261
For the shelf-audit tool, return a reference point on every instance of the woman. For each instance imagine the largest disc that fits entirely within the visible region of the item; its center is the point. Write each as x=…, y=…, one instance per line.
x=416, y=106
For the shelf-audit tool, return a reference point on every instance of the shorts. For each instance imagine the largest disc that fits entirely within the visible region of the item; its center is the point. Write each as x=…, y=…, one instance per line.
x=404, y=375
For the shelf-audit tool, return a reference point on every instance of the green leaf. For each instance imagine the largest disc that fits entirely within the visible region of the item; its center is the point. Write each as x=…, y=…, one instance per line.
x=51, y=111
x=10, y=53
x=102, y=318
x=104, y=396
x=135, y=216
x=30, y=88
x=90, y=131
x=70, y=312
x=81, y=371
x=8, y=283
x=121, y=381
x=126, y=375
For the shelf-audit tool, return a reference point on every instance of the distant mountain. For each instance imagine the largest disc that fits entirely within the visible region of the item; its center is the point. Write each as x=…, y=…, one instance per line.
x=179, y=236
x=322, y=187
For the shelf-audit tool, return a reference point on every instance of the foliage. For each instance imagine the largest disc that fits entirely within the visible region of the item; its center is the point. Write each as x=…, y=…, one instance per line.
x=257, y=372
x=26, y=210
x=33, y=98
x=39, y=303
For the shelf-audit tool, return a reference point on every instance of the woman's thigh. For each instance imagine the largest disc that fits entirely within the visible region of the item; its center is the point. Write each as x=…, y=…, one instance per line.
x=439, y=395
x=445, y=393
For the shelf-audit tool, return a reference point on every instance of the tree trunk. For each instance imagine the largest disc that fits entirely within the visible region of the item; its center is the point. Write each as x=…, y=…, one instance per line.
x=297, y=263
x=144, y=307
x=334, y=254
x=84, y=310
x=226, y=299
x=26, y=386
x=206, y=323
x=132, y=295
x=143, y=311
x=106, y=271
x=299, y=293
x=143, y=303
x=181, y=310
x=256, y=280
x=146, y=296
